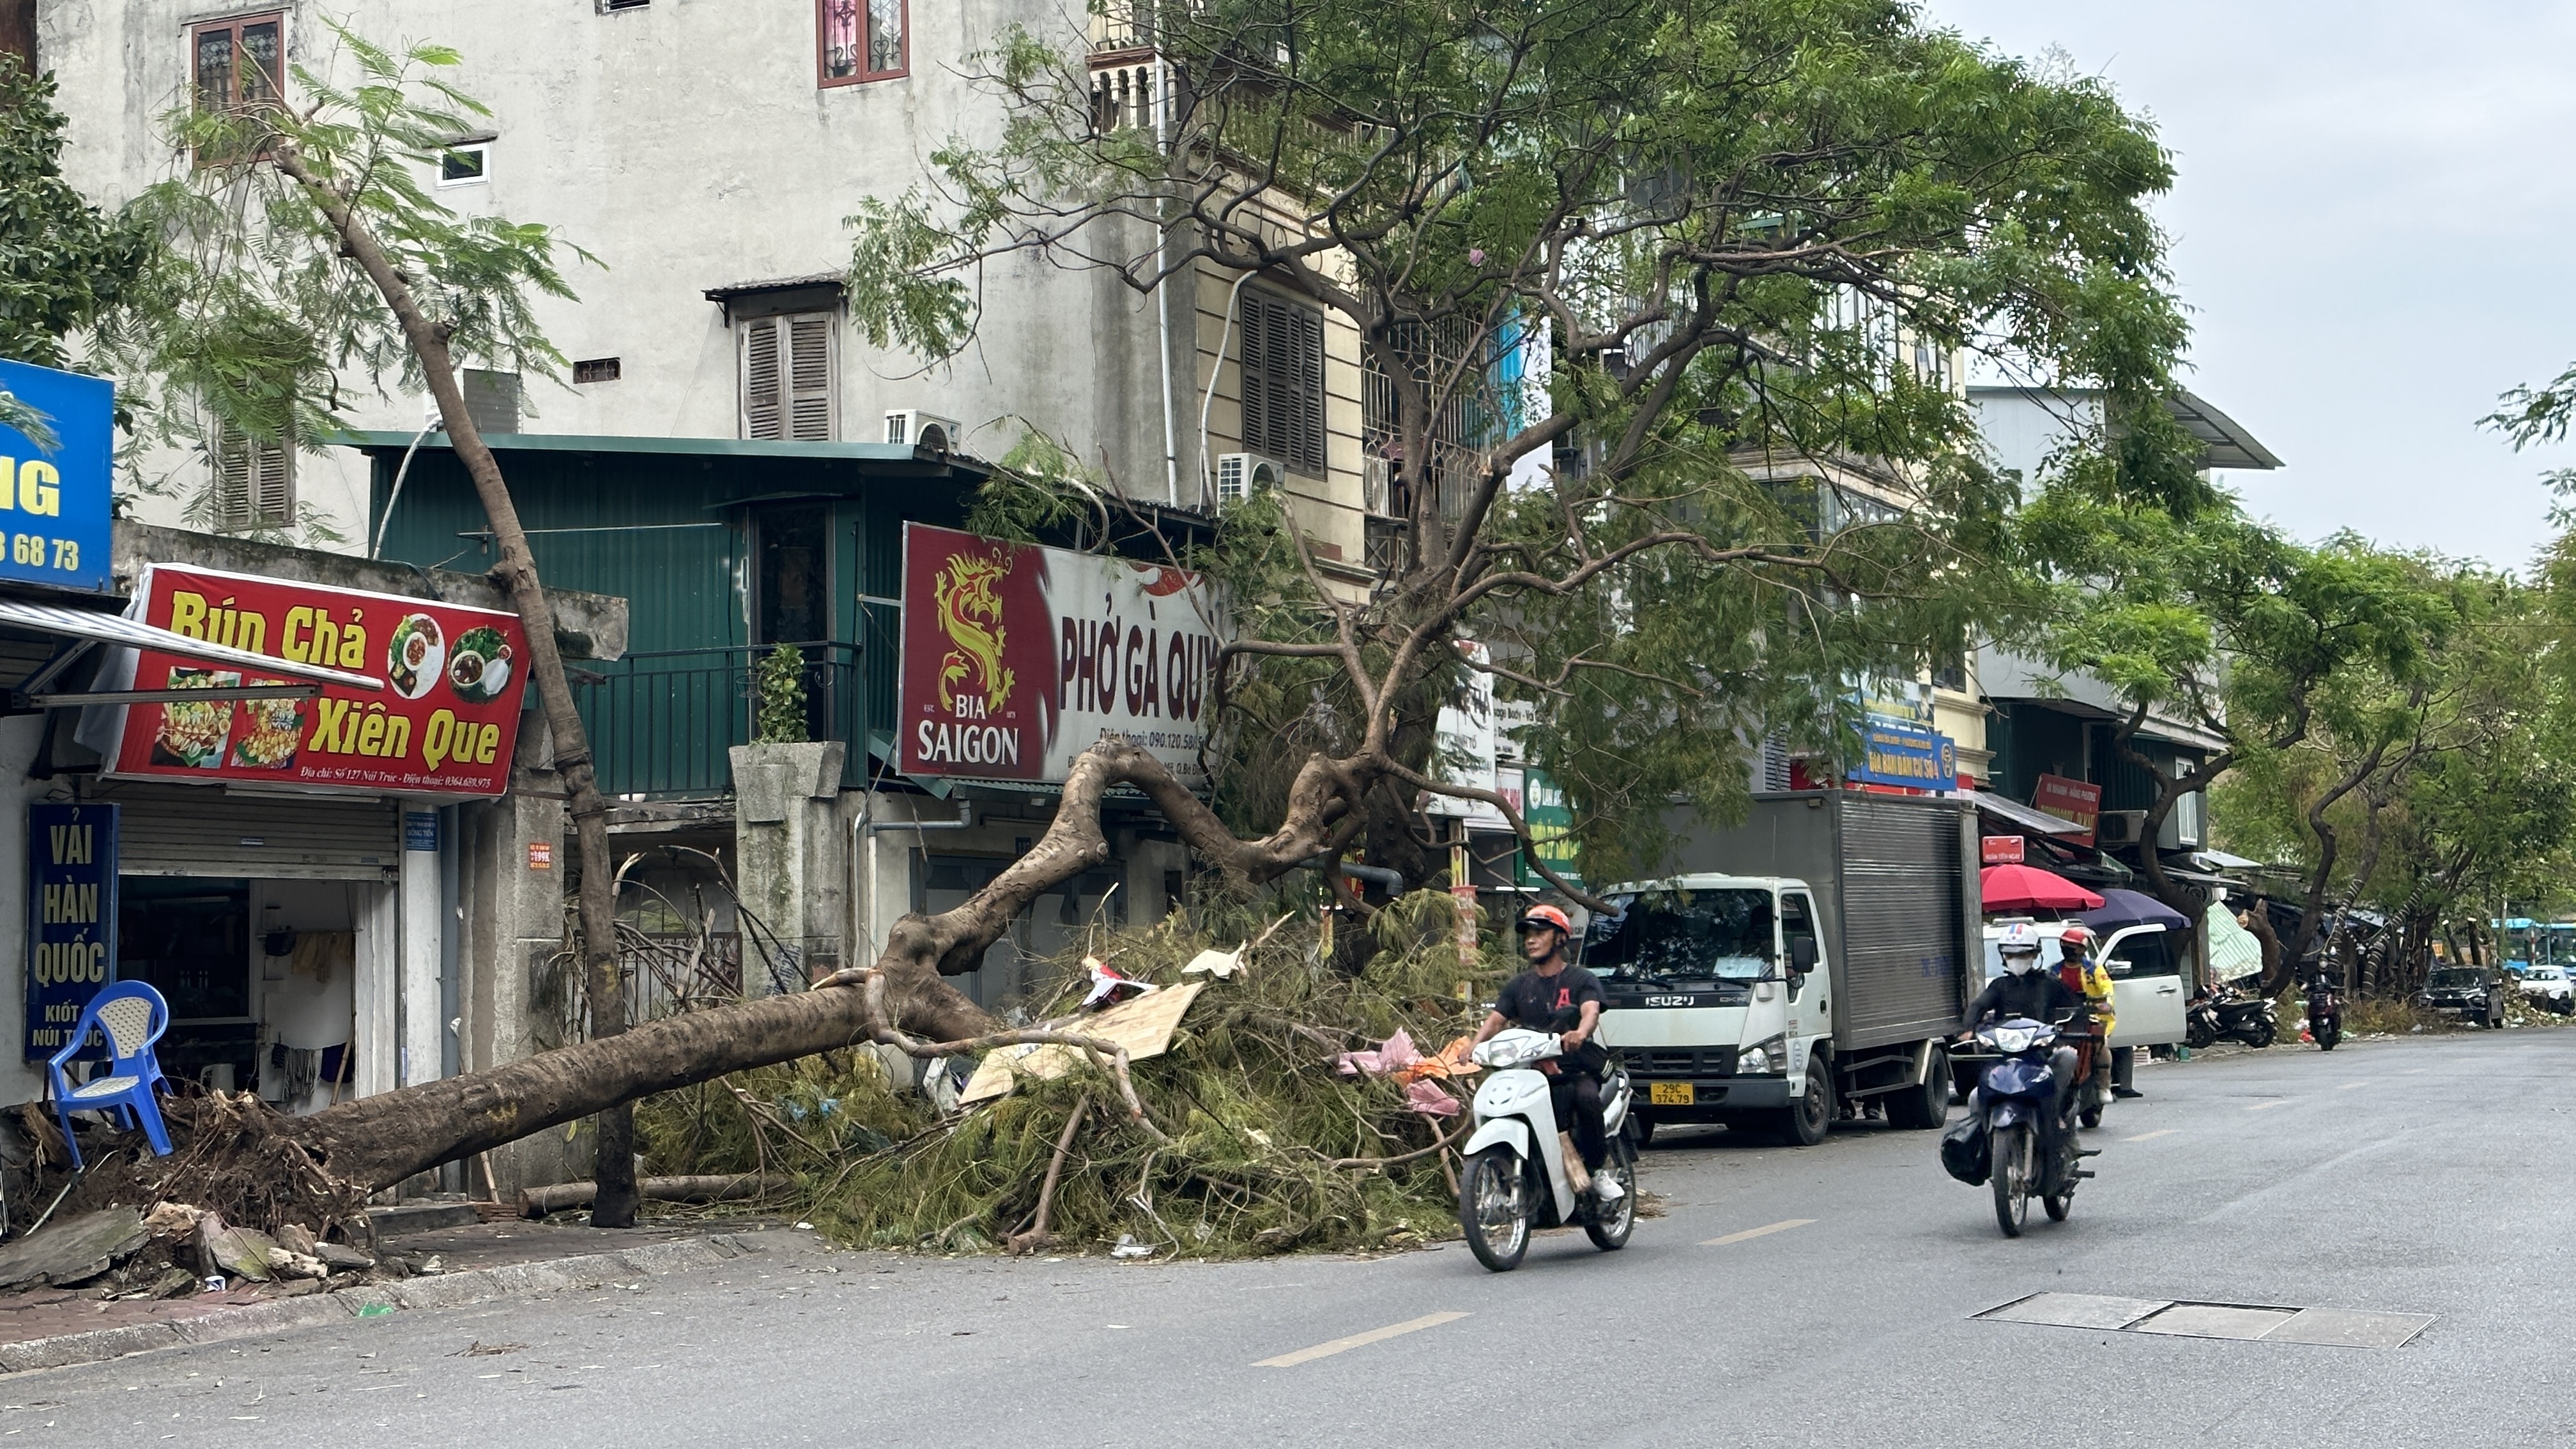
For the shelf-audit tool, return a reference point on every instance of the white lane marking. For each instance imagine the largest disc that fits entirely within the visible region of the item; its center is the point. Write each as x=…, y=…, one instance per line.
x=1764, y=1231
x=2348, y=1086
x=2268, y=1106
x=1359, y=1340
x=2152, y=1136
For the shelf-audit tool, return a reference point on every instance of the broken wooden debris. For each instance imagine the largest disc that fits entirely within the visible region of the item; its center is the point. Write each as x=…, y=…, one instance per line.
x=73, y=1250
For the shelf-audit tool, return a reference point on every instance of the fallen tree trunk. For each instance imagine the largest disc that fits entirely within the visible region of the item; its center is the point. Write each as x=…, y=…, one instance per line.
x=375, y=1142
x=536, y=1202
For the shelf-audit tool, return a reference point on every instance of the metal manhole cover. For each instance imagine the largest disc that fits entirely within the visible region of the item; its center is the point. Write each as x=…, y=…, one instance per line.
x=2241, y=1322
x=2214, y=1320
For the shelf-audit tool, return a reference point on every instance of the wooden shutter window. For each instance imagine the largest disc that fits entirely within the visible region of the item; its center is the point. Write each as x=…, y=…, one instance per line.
x=761, y=413
x=810, y=396
x=1283, y=381
x=254, y=482
x=788, y=388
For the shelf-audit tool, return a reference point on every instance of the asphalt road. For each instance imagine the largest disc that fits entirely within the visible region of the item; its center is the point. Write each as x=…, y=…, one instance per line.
x=2423, y=1176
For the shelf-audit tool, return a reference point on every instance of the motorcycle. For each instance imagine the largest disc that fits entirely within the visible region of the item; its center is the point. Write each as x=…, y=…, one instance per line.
x=1517, y=1177
x=2250, y=1019
x=2325, y=1013
x=2014, y=1098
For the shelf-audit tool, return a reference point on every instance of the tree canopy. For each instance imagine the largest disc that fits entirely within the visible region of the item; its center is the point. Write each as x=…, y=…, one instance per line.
x=1708, y=263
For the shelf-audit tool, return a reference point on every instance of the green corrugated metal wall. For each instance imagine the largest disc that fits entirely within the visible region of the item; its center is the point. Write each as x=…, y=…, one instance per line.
x=670, y=534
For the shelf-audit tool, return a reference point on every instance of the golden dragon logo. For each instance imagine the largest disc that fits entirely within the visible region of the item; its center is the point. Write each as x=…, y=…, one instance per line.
x=972, y=614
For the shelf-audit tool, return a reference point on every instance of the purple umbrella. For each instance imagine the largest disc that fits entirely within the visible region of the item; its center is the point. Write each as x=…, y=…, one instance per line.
x=2121, y=909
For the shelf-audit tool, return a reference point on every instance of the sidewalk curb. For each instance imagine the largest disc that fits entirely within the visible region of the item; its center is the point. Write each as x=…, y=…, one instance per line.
x=444, y=1290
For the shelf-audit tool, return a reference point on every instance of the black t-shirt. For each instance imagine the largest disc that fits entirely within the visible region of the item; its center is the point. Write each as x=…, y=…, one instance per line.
x=1533, y=1001
x=2038, y=995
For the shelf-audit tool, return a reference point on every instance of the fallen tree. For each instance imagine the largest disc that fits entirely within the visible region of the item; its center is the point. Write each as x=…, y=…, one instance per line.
x=1731, y=367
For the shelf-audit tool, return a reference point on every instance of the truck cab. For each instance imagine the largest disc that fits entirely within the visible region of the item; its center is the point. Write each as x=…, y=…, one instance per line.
x=1713, y=993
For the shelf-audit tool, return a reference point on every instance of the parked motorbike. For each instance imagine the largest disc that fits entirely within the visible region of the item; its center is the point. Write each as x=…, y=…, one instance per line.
x=2325, y=1012
x=1517, y=1177
x=2013, y=1101
x=2224, y=1013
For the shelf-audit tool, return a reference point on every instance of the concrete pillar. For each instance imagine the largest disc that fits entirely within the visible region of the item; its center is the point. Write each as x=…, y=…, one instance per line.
x=791, y=850
x=424, y=938
x=514, y=994
x=377, y=986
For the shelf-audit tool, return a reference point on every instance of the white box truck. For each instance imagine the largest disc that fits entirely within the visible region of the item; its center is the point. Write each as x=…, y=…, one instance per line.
x=1813, y=957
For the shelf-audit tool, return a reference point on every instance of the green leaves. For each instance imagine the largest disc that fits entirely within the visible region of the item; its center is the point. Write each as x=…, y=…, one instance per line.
x=250, y=315
x=63, y=264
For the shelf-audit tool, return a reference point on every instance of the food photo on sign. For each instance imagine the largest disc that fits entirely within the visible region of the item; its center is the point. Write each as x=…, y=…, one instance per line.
x=444, y=725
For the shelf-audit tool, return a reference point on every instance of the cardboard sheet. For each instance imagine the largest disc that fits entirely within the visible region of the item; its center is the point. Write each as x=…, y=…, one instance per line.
x=1144, y=1026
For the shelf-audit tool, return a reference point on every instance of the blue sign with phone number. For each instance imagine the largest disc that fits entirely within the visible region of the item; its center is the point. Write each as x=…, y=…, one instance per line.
x=54, y=502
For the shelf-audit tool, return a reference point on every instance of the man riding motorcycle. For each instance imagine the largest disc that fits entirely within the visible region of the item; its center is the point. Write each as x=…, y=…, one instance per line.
x=2026, y=991
x=1539, y=999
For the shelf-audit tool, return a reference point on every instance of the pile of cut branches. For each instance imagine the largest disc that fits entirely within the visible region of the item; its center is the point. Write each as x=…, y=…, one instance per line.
x=1251, y=1142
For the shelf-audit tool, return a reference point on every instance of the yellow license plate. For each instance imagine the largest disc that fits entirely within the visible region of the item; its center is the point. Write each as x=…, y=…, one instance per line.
x=1671, y=1094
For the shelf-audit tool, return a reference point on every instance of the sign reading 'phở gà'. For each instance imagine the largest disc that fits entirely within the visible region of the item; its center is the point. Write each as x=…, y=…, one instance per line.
x=444, y=726
x=1017, y=658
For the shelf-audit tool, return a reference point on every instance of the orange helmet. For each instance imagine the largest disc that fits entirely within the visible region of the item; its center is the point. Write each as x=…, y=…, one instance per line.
x=1548, y=916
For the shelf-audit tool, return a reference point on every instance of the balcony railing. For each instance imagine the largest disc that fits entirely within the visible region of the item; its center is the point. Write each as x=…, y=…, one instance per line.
x=662, y=722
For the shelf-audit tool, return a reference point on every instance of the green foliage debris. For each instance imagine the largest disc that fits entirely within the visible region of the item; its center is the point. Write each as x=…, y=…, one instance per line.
x=1258, y=1117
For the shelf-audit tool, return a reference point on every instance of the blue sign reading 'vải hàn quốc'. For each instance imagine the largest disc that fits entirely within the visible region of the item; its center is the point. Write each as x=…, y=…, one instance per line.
x=71, y=919
x=55, y=501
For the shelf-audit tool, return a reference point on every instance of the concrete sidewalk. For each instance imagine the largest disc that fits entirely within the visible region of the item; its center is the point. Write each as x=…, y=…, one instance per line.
x=52, y=1327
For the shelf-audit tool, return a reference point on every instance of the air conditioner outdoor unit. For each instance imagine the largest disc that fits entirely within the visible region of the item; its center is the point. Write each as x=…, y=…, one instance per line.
x=2120, y=827
x=911, y=427
x=1377, y=485
x=1239, y=474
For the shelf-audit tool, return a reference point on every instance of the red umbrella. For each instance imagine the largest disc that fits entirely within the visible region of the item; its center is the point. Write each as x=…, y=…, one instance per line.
x=2028, y=888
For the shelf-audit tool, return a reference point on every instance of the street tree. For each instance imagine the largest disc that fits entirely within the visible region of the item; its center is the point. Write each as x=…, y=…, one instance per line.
x=302, y=252
x=2203, y=615
x=64, y=264
x=1750, y=232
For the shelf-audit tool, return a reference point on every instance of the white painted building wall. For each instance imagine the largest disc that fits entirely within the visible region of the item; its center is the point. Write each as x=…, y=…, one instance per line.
x=688, y=145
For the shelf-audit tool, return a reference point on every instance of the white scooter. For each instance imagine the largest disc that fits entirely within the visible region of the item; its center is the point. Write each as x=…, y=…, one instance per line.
x=1517, y=1178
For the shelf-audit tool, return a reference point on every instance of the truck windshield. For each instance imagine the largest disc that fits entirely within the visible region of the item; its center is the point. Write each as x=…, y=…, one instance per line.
x=1722, y=935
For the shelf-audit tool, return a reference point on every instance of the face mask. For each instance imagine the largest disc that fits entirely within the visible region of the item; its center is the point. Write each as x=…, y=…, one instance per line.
x=2021, y=965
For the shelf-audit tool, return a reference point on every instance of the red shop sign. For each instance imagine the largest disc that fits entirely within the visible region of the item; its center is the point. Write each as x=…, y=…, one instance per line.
x=445, y=724
x=1999, y=849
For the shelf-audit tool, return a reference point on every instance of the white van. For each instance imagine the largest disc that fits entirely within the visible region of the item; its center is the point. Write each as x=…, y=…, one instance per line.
x=2146, y=977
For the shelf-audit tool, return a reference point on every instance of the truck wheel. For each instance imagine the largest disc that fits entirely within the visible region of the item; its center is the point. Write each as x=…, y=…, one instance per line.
x=1809, y=1118
x=1927, y=1106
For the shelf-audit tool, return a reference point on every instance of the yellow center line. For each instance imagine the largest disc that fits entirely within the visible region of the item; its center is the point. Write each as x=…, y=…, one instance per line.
x=2268, y=1106
x=2152, y=1136
x=1359, y=1340
x=1764, y=1231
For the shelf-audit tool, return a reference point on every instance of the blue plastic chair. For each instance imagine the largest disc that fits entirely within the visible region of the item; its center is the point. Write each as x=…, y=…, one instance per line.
x=133, y=1016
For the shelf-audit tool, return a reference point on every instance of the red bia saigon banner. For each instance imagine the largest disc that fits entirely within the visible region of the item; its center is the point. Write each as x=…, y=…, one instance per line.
x=444, y=725
x=1017, y=658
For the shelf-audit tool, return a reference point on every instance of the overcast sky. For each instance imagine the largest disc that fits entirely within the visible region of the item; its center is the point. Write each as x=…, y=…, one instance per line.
x=2370, y=225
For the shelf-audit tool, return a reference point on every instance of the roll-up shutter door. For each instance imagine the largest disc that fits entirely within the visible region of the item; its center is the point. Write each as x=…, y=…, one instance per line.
x=209, y=831
x=1902, y=918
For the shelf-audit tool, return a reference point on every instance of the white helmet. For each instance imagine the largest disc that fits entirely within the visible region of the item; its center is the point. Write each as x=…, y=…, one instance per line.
x=2019, y=947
